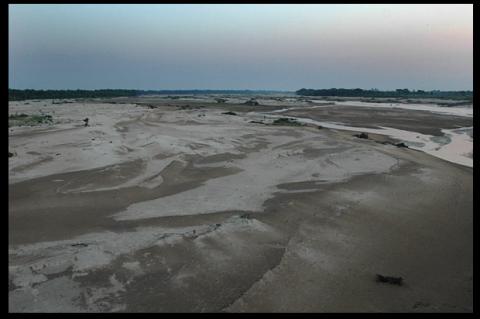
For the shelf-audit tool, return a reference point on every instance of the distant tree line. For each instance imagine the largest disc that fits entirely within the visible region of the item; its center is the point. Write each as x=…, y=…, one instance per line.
x=16, y=95
x=406, y=93
x=152, y=92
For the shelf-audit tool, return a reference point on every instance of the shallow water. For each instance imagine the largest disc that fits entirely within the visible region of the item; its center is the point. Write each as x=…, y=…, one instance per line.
x=455, y=146
x=454, y=110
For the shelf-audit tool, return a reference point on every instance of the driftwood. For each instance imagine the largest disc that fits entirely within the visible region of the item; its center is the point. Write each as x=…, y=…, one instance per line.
x=401, y=144
x=390, y=280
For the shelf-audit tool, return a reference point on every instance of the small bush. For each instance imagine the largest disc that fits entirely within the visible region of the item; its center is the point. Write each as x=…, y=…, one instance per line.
x=286, y=121
x=252, y=102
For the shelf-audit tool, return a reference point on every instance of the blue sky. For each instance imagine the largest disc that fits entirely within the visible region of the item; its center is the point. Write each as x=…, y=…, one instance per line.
x=283, y=47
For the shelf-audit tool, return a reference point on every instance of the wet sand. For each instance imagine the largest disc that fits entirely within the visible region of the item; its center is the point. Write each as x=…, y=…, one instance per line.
x=190, y=210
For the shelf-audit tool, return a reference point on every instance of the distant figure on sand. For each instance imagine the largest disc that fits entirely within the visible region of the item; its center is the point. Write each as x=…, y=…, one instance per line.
x=86, y=121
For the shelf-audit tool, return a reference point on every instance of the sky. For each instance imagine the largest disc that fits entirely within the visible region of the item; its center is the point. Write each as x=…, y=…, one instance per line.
x=241, y=46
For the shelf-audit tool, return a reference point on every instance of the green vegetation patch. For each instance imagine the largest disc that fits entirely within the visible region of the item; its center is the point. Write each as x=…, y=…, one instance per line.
x=23, y=119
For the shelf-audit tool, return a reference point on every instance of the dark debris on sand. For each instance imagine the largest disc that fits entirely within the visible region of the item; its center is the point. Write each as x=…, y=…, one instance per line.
x=361, y=135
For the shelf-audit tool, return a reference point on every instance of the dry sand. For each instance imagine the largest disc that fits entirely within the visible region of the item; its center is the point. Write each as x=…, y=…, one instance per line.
x=173, y=209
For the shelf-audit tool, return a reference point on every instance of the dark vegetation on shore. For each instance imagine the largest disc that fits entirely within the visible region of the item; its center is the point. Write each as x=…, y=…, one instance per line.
x=287, y=121
x=18, y=95
x=399, y=93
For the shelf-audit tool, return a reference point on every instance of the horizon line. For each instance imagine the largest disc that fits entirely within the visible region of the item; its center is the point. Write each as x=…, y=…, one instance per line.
x=257, y=90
